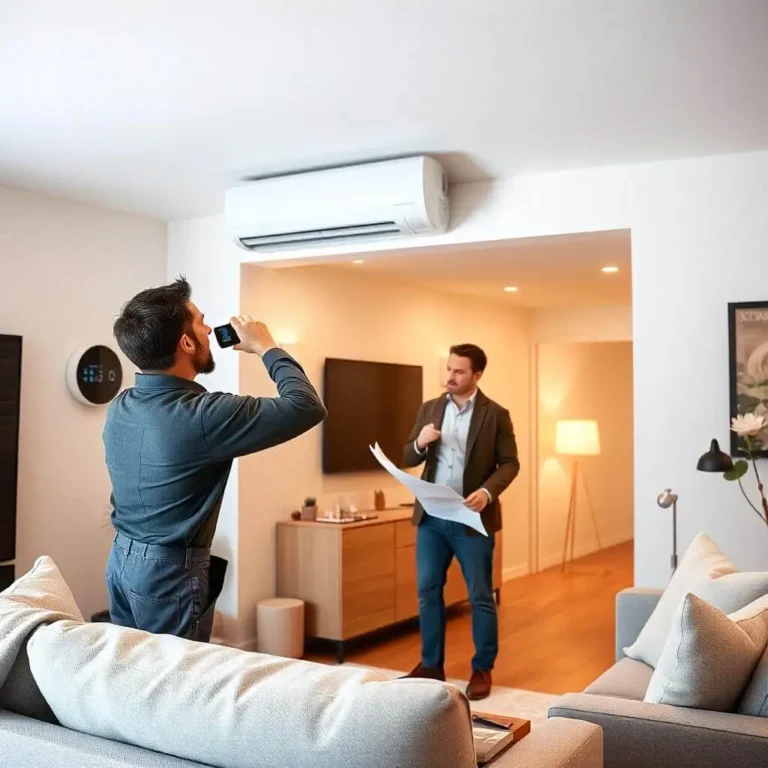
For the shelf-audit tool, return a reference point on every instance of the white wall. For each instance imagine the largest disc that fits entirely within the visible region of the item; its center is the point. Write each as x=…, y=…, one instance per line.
x=699, y=240
x=342, y=312
x=215, y=284
x=585, y=381
x=65, y=270
x=585, y=324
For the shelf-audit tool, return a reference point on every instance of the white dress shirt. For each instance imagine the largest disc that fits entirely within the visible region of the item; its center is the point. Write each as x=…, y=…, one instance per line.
x=452, y=447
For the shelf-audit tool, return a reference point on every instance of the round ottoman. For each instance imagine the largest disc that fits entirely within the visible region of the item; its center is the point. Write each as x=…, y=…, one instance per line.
x=280, y=627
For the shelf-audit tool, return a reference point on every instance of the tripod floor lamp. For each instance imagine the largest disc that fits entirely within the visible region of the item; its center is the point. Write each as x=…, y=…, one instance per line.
x=577, y=439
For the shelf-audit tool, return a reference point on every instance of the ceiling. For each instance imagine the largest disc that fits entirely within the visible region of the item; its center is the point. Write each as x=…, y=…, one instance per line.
x=562, y=271
x=155, y=107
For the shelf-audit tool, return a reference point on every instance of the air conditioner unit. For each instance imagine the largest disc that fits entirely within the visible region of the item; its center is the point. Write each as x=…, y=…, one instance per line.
x=402, y=197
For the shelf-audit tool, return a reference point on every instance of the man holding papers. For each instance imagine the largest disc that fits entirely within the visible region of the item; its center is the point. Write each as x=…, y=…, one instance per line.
x=468, y=444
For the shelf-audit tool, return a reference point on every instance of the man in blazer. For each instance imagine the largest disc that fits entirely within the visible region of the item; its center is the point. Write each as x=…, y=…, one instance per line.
x=468, y=444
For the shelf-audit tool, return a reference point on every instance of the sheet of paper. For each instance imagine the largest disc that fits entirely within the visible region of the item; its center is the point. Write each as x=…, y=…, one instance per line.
x=437, y=500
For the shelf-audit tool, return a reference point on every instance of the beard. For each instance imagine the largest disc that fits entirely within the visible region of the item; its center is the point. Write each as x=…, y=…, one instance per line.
x=203, y=361
x=453, y=388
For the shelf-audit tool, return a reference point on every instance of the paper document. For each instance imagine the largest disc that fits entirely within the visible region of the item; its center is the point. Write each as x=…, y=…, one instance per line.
x=437, y=500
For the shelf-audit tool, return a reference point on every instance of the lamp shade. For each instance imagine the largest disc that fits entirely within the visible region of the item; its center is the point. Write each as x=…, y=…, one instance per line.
x=577, y=438
x=714, y=460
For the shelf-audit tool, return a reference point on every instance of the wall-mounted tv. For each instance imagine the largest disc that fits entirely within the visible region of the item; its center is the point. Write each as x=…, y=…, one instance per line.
x=10, y=395
x=367, y=403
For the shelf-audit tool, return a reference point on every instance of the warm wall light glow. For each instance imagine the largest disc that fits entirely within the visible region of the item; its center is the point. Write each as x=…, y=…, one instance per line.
x=610, y=270
x=443, y=367
x=511, y=289
x=286, y=339
x=359, y=261
x=577, y=438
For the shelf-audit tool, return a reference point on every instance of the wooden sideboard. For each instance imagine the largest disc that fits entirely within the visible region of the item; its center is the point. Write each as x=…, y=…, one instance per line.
x=356, y=578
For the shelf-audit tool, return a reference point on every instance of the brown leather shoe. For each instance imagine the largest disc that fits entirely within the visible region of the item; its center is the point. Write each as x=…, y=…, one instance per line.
x=479, y=685
x=427, y=673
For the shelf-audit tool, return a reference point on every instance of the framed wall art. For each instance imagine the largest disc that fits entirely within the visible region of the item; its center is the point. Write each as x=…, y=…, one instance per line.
x=748, y=364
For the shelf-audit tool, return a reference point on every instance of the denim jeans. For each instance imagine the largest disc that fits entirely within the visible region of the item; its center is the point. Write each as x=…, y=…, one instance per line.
x=437, y=541
x=159, y=589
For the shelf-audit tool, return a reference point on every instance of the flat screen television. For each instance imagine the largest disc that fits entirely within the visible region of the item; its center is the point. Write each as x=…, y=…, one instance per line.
x=10, y=395
x=367, y=403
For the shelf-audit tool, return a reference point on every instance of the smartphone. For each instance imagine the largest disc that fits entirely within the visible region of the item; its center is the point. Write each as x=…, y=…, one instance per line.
x=226, y=335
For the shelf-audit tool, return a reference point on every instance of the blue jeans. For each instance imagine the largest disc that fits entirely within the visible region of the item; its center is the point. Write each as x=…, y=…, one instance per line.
x=158, y=589
x=437, y=541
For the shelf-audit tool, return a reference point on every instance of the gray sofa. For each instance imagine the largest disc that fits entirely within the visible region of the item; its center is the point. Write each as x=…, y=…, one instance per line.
x=640, y=735
x=27, y=743
x=94, y=695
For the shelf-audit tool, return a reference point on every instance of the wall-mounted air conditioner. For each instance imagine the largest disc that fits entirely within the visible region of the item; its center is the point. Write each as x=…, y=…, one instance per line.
x=403, y=197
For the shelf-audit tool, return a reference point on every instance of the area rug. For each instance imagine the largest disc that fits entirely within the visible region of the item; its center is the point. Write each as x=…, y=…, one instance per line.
x=515, y=702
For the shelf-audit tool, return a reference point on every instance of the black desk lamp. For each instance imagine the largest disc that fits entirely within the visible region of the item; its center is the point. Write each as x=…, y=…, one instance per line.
x=714, y=460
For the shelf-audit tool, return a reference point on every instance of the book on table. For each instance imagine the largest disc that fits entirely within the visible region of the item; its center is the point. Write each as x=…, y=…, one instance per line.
x=494, y=734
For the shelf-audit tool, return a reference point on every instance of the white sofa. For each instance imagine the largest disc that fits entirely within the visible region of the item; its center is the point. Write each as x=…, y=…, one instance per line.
x=91, y=695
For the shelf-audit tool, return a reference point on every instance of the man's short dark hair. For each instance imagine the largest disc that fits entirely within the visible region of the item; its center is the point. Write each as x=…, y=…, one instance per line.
x=477, y=357
x=151, y=324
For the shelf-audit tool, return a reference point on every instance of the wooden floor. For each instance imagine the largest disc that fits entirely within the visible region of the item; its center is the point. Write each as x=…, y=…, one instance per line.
x=555, y=630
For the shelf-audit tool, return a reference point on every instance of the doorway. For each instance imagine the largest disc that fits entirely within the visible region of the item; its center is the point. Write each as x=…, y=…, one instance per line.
x=584, y=455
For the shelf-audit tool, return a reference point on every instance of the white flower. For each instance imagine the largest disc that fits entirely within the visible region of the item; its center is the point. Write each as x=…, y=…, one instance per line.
x=747, y=424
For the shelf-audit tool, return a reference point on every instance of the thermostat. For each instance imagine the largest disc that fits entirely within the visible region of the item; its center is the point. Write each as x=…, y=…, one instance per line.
x=94, y=375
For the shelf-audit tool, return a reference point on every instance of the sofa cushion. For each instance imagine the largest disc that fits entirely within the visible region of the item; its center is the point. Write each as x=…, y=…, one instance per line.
x=709, y=657
x=706, y=573
x=38, y=596
x=754, y=700
x=28, y=743
x=640, y=735
x=233, y=709
x=627, y=679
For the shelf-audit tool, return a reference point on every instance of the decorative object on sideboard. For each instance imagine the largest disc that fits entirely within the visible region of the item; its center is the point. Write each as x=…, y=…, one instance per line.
x=309, y=509
x=346, y=506
x=748, y=429
x=748, y=368
x=577, y=439
x=666, y=500
x=379, y=502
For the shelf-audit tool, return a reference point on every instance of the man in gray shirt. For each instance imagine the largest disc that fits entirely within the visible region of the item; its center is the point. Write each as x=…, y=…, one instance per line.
x=169, y=450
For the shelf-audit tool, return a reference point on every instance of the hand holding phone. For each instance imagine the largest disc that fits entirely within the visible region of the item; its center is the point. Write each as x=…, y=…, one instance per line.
x=245, y=335
x=226, y=335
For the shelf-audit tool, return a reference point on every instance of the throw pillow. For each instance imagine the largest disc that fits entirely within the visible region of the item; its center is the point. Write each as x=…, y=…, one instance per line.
x=754, y=700
x=40, y=595
x=706, y=573
x=709, y=657
x=43, y=587
x=233, y=709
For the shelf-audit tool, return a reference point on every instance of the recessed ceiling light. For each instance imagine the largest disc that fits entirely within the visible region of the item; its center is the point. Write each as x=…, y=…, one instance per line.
x=359, y=261
x=511, y=289
x=610, y=270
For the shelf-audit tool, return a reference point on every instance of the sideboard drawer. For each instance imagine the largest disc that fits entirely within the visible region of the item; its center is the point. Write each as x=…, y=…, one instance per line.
x=368, y=552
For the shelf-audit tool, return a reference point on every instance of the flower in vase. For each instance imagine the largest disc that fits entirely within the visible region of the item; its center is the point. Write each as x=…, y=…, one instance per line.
x=748, y=424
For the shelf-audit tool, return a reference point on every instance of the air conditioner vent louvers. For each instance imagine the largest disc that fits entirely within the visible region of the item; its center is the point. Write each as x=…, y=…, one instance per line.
x=306, y=237
x=399, y=198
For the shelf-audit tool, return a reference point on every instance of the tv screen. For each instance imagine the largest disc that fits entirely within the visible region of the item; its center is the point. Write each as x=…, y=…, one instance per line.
x=10, y=393
x=368, y=403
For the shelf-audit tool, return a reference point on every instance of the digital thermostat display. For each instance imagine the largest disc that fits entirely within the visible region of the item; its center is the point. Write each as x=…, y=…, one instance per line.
x=94, y=375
